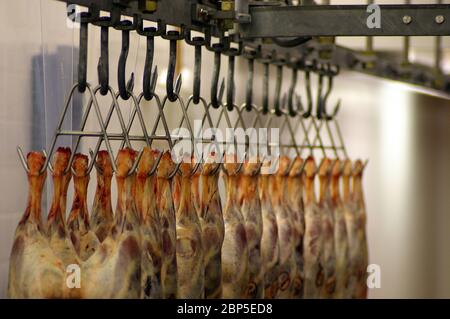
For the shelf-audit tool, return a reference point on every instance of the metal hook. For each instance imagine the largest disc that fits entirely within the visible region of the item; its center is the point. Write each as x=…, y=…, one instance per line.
x=319, y=98
x=103, y=63
x=265, y=101
x=125, y=26
x=217, y=48
x=250, y=54
x=308, y=69
x=149, y=78
x=197, y=42
x=291, y=92
x=173, y=36
x=84, y=18
x=279, y=63
x=330, y=75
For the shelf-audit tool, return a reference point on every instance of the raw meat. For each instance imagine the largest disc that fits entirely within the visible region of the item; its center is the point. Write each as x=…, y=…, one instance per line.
x=295, y=197
x=34, y=270
x=328, y=248
x=235, y=271
x=312, y=242
x=168, y=227
x=83, y=238
x=270, y=250
x=189, y=248
x=151, y=243
x=114, y=270
x=360, y=214
x=340, y=234
x=250, y=207
x=286, y=232
x=102, y=218
x=213, y=229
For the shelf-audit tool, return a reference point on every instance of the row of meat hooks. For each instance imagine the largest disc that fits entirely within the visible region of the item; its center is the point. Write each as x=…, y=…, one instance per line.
x=295, y=110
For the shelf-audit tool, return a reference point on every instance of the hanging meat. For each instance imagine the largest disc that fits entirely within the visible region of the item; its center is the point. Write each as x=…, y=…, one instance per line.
x=189, y=248
x=102, y=218
x=84, y=240
x=286, y=232
x=270, y=250
x=212, y=226
x=312, y=242
x=114, y=270
x=195, y=189
x=327, y=233
x=351, y=224
x=340, y=233
x=56, y=226
x=168, y=227
x=295, y=197
x=151, y=242
x=34, y=270
x=360, y=215
x=250, y=206
x=235, y=272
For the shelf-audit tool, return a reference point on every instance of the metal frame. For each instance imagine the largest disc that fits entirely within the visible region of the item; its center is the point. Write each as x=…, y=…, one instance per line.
x=345, y=20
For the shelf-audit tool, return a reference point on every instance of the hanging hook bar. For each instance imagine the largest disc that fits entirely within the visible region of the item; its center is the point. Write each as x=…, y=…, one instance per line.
x=125, y=26
x=173, y=36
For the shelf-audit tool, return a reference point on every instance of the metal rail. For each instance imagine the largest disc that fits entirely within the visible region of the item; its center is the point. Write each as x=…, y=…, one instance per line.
x=346, y=20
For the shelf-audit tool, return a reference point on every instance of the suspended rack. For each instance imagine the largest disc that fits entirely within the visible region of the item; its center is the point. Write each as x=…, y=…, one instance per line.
x=299, y=38
x=267, y=23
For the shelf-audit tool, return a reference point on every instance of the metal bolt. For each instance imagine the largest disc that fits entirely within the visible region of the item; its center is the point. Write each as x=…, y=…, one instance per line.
x=204, y=14
x=407, y=19
x=439, y=19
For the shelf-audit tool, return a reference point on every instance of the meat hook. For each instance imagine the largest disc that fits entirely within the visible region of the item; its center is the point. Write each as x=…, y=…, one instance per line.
x=125, y=26
x=173, y=36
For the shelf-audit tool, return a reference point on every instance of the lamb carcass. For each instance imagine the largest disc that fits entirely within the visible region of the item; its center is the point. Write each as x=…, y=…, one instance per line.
x=83, y=238
x=114, y=270
x=57, y=231
x=151, y=243
x=250, y=207
x=340, y=234
x=352, y=233
x=312, y=242
x=360, y=215
x=270, y=250
x=213, y=229
x=168, y=227
x=295, y=197
x=286, y=232
x=34, y=270
x=235, y=272
x=189, y=248
x=328, y=248
x=102, y=218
